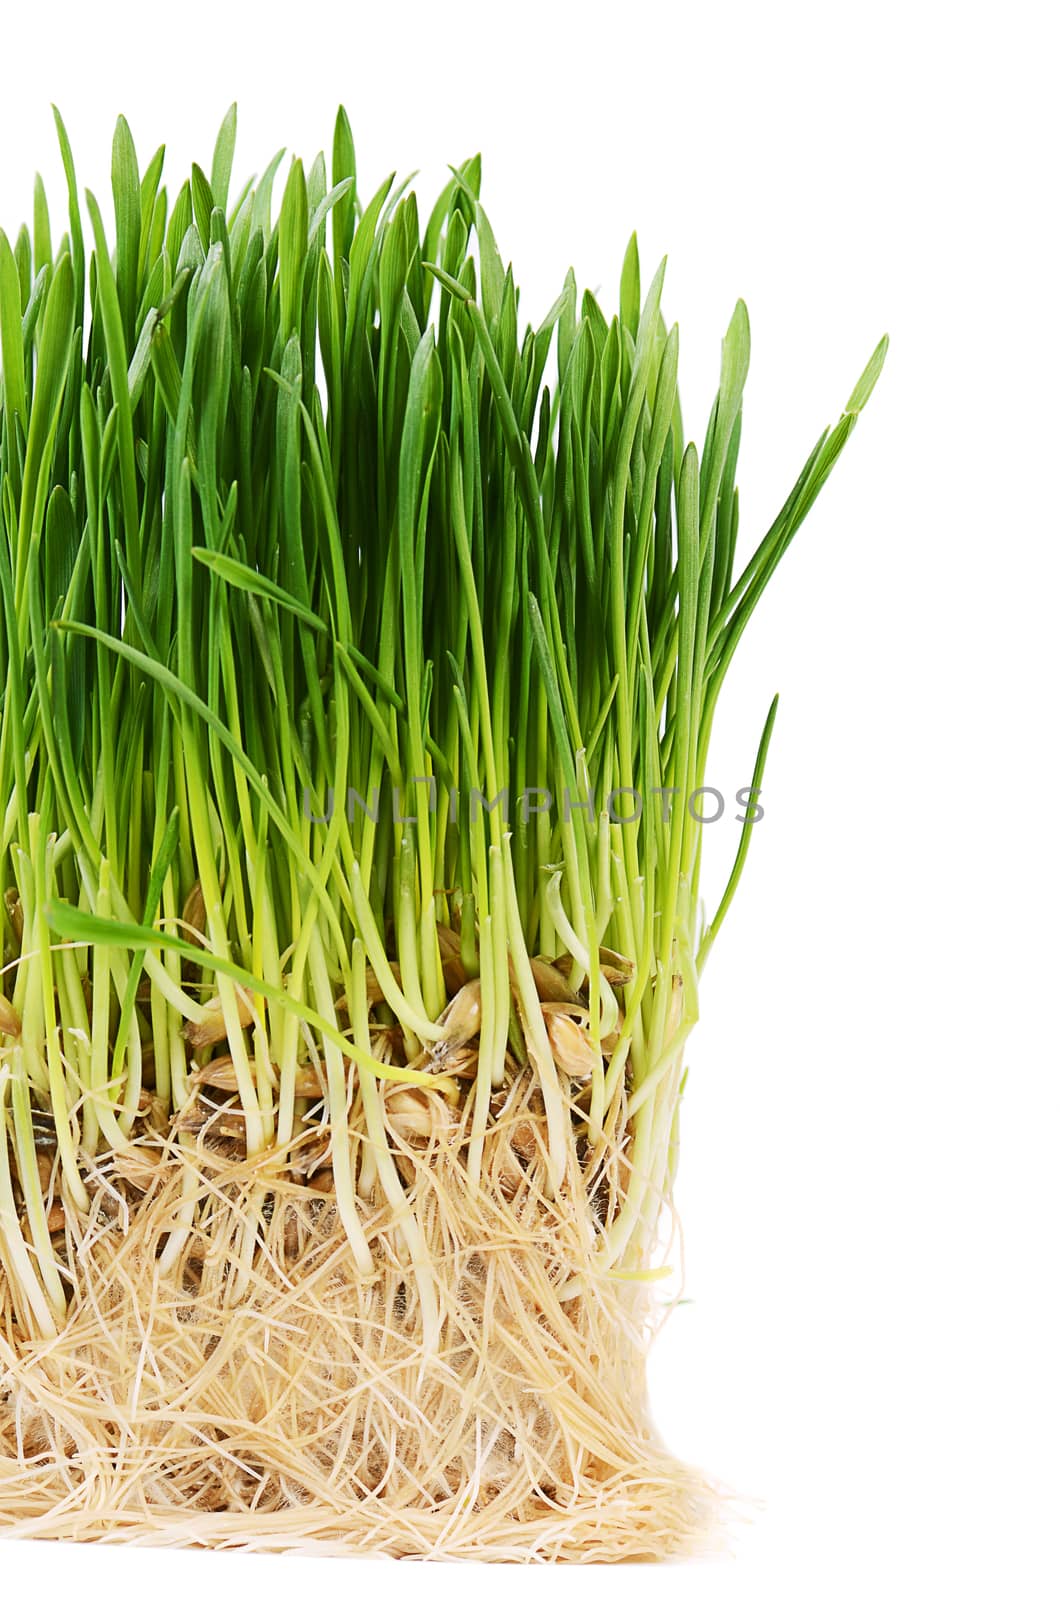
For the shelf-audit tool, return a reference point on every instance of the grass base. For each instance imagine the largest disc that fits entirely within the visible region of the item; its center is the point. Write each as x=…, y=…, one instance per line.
x=228, y=1377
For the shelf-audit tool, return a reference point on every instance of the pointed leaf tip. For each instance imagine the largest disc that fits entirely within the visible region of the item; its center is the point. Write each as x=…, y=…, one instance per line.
x=736, y=350
x=223, y=153
x=867, y=382
x=740, y=322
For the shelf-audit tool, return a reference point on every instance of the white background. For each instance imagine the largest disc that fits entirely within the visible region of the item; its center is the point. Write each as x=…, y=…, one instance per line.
x=870, y=1169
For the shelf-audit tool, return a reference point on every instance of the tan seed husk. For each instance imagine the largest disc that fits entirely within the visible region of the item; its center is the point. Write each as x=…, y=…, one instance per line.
x=414, y=1114
x=211, y=1028
x=617, y=969
x=194, y=913
x=572, y=1048
x=138, y=1165
x=523, y=1139
x=550, y=982
x=154, y=1111
x=220, y=1073
x=14, y=911
x=310, y=1155
x=224, y=1123
x=10, y=1021
x=462, y=1017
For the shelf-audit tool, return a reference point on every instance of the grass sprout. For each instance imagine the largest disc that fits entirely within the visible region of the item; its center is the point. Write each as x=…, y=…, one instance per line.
x=360, y=644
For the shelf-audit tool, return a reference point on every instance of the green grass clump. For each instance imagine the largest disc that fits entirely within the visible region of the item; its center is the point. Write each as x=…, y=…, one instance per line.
x=320, y=575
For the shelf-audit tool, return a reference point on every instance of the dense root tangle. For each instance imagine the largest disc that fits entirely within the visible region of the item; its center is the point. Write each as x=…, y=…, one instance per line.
x=240, y=1382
